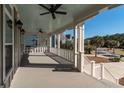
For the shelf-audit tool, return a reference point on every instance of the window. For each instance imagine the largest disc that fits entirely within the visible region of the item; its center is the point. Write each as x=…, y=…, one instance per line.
x=8, y=30
x=8, y=58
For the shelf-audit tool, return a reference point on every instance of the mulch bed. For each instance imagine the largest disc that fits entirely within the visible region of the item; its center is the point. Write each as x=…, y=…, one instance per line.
x=104, y=60
x=98, y=59
x=121, y=81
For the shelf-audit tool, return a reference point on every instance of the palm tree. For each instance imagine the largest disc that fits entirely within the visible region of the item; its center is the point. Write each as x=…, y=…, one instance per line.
x=97, y=42
x=113, y=44
x=88, y=47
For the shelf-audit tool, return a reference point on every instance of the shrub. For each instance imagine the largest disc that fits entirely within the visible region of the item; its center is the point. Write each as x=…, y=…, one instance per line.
x=88, y=50
x=115, y=59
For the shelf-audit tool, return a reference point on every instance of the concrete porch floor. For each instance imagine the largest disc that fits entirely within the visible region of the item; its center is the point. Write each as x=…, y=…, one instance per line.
x=46, y=76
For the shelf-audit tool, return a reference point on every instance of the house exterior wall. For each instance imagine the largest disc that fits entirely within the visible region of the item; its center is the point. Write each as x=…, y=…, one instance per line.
x=5, y=80
x=1, y=36
x=16, y=43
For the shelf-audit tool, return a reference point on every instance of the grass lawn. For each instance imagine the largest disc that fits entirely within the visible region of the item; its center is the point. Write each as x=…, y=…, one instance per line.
x=118, y=51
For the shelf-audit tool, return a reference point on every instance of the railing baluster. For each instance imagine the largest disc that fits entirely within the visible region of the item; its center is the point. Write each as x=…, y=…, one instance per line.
x=93, y=68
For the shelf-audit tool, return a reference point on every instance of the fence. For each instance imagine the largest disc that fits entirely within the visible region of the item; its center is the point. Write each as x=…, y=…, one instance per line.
x=35, y=50
x=87, y=66
x=64, y=53
x=93, y=69
x=90, y=67
x=98, y=71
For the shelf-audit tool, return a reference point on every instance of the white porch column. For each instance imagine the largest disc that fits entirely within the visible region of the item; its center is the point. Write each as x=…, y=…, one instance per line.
x=58, y=44
x=40, y=39
x=22, y=44
x=81, y=47
x=75, y=47
x=55, y=41
x=1, y=32
x=50, y=43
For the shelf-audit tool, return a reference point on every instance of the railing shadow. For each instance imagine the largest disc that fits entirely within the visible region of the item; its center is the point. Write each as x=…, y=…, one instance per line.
x=58, y=59
x=61, y=66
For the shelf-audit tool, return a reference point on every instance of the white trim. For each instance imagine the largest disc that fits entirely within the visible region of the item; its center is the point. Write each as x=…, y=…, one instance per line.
x=15, y=6
x=8, y=75
x=13, y=59
x=8, y=44
x=3, y=45
x=75, y=46
x=7, y=12
x=50, y=43
x=11, y=16
x=55, y=38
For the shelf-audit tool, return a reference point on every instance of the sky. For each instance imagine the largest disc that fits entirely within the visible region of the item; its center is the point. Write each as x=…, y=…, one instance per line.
x=106, y=23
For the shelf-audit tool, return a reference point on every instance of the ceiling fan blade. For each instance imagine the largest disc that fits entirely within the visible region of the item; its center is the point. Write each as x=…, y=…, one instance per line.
x=53, y=16
x=61, y=12
x=45, y=13
x=44, y=7
x=57, y=6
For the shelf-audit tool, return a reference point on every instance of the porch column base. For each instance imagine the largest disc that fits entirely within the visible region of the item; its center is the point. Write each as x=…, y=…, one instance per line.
x=81, y=62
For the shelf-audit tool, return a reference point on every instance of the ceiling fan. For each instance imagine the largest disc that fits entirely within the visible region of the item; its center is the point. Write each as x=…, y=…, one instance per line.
x=53, y=10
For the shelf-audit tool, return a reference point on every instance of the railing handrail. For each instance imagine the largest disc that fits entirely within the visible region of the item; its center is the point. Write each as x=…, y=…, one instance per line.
x=61, y=48
x=86, y=58
x=37, y=49
x=65, y=53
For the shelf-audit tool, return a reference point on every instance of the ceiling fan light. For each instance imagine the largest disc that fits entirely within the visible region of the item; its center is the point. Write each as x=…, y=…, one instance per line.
x=40, y=31
x=22, y=31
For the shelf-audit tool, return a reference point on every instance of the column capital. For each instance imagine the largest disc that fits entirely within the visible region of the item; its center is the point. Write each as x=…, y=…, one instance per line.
x=79, y=27
x=80, y=24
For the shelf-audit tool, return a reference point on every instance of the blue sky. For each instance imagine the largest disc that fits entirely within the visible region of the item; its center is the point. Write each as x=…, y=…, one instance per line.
x=106, y=23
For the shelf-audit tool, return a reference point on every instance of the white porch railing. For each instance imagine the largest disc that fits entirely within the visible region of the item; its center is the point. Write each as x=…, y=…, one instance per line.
x=65, y=53
x=35, y=50
x=98, y=71
x=90, y=67
x=87, y=66
x=93, y=69
x=53, y=50
x=109, y=76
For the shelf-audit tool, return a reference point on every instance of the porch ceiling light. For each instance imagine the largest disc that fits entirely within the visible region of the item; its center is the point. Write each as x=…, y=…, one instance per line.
x=9, y=22
x=19, y=24
x=22, y=31
x=40, y=31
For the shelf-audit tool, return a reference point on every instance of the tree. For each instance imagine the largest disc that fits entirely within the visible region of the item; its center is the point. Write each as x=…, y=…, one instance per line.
x=88, y=47
x=97, y=42
x=113, y=44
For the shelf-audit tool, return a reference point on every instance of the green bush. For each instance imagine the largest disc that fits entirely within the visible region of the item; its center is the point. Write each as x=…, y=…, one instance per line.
x=88, y=50
x=115, y=59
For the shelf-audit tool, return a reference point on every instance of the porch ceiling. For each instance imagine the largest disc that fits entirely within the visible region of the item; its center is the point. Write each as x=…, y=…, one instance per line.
x=30, y=15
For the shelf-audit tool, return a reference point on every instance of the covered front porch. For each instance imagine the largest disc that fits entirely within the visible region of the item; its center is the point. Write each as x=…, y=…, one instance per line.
x=46, y=63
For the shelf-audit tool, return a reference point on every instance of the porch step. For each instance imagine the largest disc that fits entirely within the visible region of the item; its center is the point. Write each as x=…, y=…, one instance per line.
x=65, y=69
